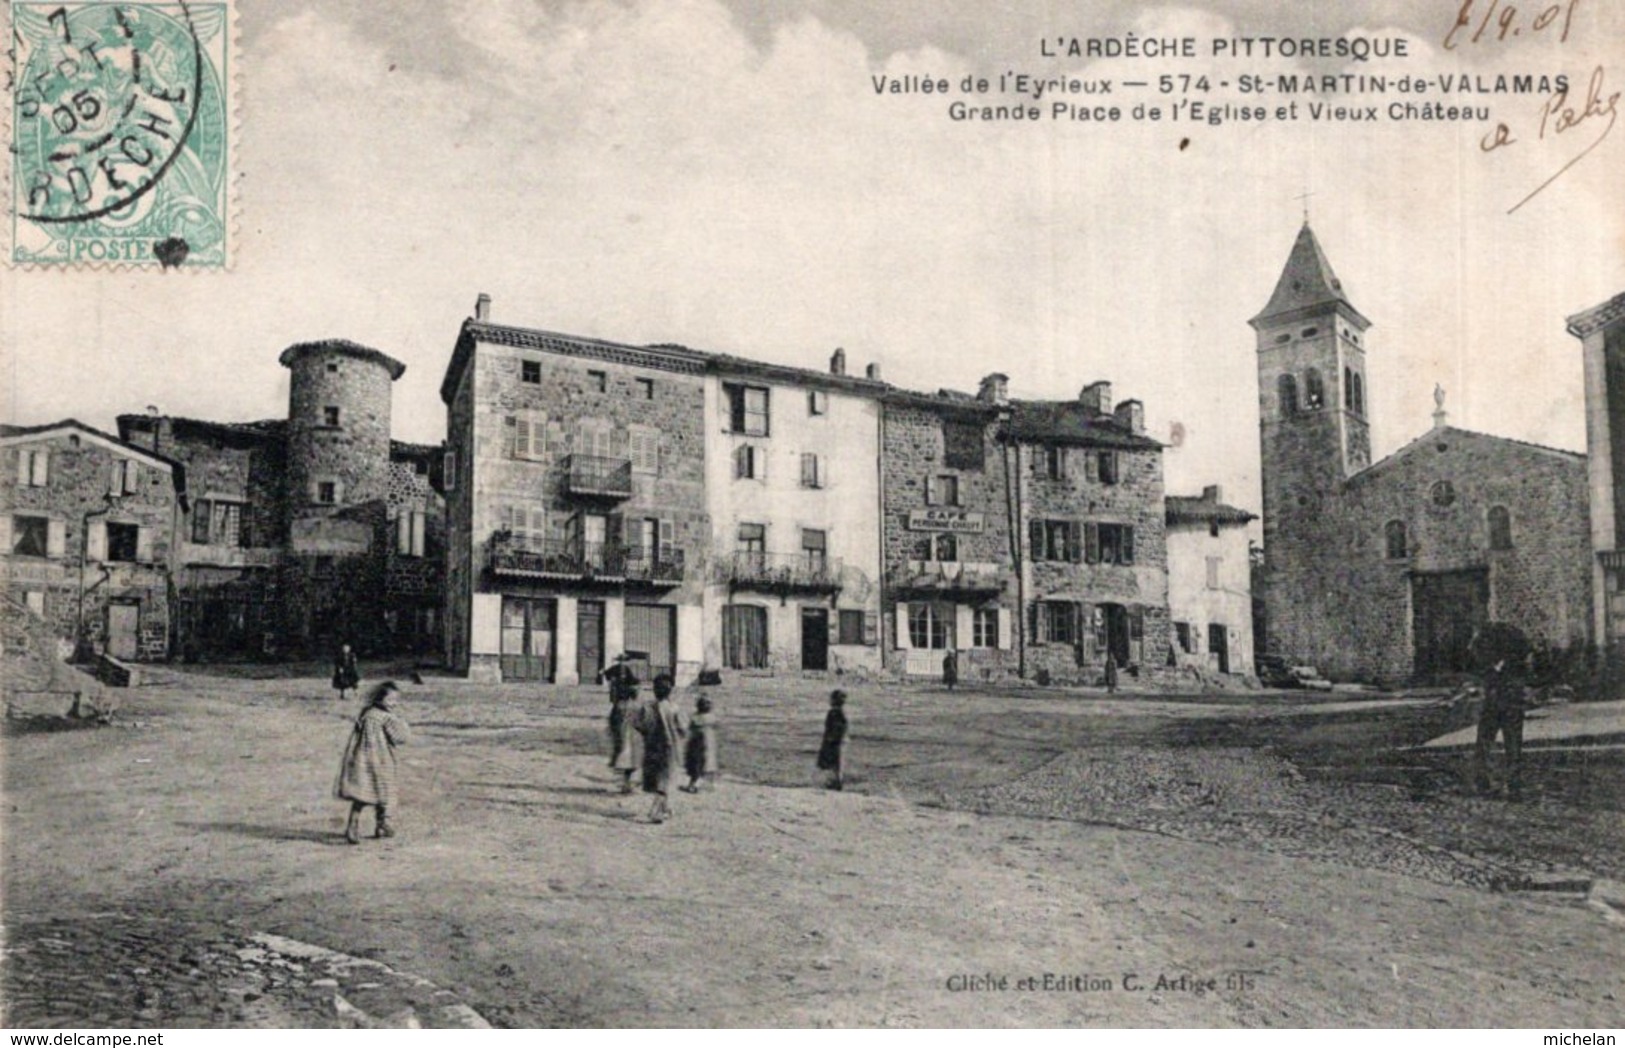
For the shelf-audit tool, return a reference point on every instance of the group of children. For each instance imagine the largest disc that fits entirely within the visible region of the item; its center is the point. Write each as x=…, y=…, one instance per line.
x=367, y=773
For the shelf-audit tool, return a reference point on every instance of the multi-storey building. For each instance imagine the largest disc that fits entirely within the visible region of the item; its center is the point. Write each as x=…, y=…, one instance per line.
x=1089, y=505
x=86, y=532
x=1601, y=331
x=576, y=504
x=310, y=531
x=950, y=574
x=792, y=482
x=1210, y=598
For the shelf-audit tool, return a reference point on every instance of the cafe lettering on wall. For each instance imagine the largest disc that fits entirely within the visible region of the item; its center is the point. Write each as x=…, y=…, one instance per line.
x=944, y=520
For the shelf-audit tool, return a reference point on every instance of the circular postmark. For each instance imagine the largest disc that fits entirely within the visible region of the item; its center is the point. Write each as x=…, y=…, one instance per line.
x=106, y=100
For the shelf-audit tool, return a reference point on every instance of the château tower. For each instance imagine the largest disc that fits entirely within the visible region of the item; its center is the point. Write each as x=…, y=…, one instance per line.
x=1312, y=403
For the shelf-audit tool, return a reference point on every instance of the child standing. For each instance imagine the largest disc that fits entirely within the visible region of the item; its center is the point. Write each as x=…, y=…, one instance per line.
x=346, y=674
x=700, y=759
x=832, y=754
x=367, y=775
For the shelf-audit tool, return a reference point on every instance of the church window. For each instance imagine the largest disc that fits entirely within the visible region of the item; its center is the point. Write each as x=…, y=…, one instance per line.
x=1287, y=390
x=1394, y=534
x=1357, y=390
x=1443, y=494
x=1309, y=332
x=1283, y=338
x=1500, y=528
x=1348, y=388
x=1314, y=391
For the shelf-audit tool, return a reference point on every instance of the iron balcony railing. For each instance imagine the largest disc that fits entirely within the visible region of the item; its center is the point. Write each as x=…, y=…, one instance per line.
x=598, y=475
x=776, y=572
x=573, y=559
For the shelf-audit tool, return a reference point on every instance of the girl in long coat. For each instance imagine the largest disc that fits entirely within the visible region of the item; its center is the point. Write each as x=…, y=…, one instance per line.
x=623, y=705
x=832, y=753
x=700, y=758
x=367, y=774
x=662, y=728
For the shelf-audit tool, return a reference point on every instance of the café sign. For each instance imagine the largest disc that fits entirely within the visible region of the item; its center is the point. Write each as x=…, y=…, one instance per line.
x=957, y=520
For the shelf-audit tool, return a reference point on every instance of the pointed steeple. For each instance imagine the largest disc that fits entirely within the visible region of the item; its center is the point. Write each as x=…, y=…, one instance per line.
x=1307, y=282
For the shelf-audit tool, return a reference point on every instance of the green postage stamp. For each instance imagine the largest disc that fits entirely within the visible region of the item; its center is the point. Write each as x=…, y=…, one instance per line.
x=120, y=133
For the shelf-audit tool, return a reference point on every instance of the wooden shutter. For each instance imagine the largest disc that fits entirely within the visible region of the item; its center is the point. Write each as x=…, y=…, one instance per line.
x=1035, y=622
x=1091, y=543
x=143, y=545
x=510, y=436
x=42, y=468
x=1091, y=467
x=420, y=528
x=56, y=538
x=1127, y=532
x=809, y=470
x=668, y=538
x=5, y=533
x=24, y=477
x=871, y=628
x=931, y=493
x=741, y=461
x=1003, y=615
x=403, y=531
x=1074, y=541
x=1035, y=534
x=613, y=529
x=903, y=643
x=1136, y=634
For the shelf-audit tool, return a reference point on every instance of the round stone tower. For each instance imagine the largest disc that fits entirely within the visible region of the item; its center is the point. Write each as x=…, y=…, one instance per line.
x=338, y=424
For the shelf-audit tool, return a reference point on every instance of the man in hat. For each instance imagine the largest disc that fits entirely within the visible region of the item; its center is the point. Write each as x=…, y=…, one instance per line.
x=623, y=696
x=1501, y=652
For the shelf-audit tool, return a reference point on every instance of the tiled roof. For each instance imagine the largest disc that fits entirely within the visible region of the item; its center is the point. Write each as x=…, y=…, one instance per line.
x=1448, y=432
x=406, y=449
x=1069, y=422
x=1191, y=509
x=345, y=346
x=262, y=429
x=178, y=469
x=1585, y=322
x=1306, y=282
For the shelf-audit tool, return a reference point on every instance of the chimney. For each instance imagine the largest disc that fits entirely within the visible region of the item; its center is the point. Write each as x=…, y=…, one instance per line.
x=482, y=307
x=872, y=371
x=995, y=389
x=1213, y=493
x=1130, y=414
x=1097, y=397
x=837, y=362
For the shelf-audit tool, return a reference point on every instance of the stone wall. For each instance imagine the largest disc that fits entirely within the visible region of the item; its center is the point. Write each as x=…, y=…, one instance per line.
x=79, y=477
x=355, y=453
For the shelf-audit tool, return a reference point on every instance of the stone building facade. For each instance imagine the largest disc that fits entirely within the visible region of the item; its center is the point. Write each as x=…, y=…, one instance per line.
x=1383, y=571
x=1601, y=331
x=86, y=536
x=1094, y=561
x=577, y=522
x=1210, y=598
x=309, y=531
x=950, y=575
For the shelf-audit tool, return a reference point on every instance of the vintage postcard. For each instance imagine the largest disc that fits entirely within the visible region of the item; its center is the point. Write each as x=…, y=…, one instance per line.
x=627, y=513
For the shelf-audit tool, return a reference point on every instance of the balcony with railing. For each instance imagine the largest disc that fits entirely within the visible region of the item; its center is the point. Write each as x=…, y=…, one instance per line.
x=598, y=476
x=945, y=579
x=573, y=560
x=783, y=572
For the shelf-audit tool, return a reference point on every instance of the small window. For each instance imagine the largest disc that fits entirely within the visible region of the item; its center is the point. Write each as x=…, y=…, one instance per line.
x=750, y=462
x=1394, y=538
x=927, y=627
x=812, y=471
x=850, y=626
x=327, y=492
x=323, y=567
x=598, y=381
x=30, y=536
x=126, y=477
x=123, y=540
x=984, y=628
x=946, y=547
x=1058, y=622
x=1052, y=464
x=1357, y=385
x=1443, y=494
x=330, y=415
x=962, y=446
x=421, y=467
x=1106, y=467
x=942, y=490
x=817, y=402
x=1314, y=391
x=33, y=468
x=1182, y=635
x=753, y=538
x=646, y=389
x=815, y=548
x=1500, y=528
x=1309, y=332
x=411, y=526
x=525, y=437
x=1213, y=564
x=448, y=469
x=1116, y=544
x=530, y=371
x=645, y=447
x=747, y=410
x=1213, y=529
x=332, y=367
x=1286, y=391
x=1283, y=338
x=35, y=599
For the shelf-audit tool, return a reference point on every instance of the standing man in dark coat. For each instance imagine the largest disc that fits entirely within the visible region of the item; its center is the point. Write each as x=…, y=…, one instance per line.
x=832, y=751
x=663, y=729
x=1501, y=653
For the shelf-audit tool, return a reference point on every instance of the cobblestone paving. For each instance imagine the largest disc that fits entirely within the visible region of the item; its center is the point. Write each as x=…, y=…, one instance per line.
x=1240, y=798
x=115, y=970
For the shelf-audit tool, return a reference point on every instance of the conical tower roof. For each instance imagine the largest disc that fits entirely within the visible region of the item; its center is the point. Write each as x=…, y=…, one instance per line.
x=1307, y=283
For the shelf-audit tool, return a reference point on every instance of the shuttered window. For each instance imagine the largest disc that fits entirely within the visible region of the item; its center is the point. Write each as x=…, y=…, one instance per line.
x=524, y=436
x=645, y=447
x=33, y=468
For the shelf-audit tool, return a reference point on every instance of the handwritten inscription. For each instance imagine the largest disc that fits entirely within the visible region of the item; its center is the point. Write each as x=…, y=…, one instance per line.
x=1597, y=110
x=1508, y=21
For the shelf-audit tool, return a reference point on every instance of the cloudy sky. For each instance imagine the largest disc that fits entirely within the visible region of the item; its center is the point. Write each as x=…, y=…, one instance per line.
x=723, y=175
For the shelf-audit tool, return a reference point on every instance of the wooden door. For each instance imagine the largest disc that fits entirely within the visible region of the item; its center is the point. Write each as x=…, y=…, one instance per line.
x=123, y=630
x=590, y=639
x=815, y=638
x=1447, y=607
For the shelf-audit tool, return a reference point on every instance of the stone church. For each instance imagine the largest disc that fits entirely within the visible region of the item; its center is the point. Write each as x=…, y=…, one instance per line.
x=1380, y=571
